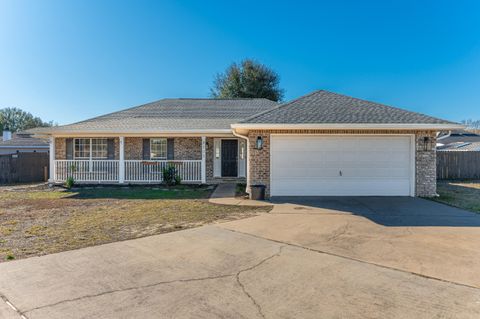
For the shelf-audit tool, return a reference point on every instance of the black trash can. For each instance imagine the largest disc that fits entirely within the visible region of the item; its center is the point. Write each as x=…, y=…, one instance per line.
x=257, y=192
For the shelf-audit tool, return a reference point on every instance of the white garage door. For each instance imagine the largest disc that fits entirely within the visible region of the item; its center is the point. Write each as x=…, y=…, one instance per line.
x=341, y=165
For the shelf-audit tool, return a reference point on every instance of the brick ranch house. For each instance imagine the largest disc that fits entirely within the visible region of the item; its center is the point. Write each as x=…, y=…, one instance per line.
x=320, y=144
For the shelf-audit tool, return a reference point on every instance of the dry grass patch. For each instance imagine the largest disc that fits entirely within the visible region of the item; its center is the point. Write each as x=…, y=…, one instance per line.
x=37, y=222
x=464, y=195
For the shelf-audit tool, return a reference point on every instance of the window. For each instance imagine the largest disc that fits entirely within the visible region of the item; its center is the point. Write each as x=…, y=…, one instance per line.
x=99, y=148
x=82, y=148
x=95, y=148
x=158, y=148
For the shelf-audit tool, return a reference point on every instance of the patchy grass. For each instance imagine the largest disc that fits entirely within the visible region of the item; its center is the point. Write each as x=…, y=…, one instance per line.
x=43, y=221
x=464, y=195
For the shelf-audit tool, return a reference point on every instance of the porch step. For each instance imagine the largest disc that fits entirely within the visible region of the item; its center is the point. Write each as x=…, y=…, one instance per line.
x=227, y=180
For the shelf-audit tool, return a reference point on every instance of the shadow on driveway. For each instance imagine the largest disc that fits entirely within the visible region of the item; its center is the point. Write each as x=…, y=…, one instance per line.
x=388, y=211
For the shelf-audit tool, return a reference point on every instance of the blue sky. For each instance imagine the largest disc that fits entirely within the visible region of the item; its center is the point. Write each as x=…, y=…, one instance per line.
x=70, y=60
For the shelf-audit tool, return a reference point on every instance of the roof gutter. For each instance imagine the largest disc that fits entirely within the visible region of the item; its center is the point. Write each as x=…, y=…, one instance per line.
x=244, y=127
x=139, y=133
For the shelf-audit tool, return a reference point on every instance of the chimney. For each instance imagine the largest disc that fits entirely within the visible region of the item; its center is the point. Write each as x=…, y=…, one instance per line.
x=7, y=135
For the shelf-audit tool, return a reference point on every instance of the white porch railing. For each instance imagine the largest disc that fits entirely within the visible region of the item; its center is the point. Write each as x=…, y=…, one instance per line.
x=139, y=171
x=86, y=170
x=151, y=171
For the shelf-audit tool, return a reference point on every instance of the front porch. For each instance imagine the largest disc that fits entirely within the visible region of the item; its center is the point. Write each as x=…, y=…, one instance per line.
x=141, y=160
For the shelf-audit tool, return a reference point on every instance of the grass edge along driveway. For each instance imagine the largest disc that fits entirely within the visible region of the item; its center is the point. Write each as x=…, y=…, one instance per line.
x=42, y=221
x=462, y=194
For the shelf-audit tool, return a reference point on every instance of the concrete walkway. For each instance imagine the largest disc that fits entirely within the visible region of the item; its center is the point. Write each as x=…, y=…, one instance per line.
x=328, y=258
x=224, y=194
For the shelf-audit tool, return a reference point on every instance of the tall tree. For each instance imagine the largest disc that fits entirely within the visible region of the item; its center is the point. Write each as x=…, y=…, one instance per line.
x=15, y=120
x=249, y=79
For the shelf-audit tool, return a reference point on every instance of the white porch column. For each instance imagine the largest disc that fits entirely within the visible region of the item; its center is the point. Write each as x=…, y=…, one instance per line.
x=121, y=163
x=52, y=160
x=204, y=159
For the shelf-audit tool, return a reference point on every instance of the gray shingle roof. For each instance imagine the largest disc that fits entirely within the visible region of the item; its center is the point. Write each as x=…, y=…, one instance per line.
x=460, y=146
x=24, y=142
x=459, y=137
x=322, y=107
x=174, y=115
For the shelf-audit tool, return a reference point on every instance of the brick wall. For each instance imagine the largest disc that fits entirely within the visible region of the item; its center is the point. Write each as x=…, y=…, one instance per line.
x=133, y=148
x=116, y=142
x=60, y=148
x=209, y=163
x=259, y=160
x=187, y=148
x=425, y=165
x=425, y=158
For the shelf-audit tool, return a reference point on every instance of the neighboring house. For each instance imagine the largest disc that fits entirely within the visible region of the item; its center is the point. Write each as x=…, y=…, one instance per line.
x=458, y=155
x=459, y=140
x=320, y=144
x=22, y=143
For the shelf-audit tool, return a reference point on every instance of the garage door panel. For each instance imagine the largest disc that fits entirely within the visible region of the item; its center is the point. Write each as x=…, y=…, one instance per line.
x=340, y=165
x=369, y=187
x=317, y=157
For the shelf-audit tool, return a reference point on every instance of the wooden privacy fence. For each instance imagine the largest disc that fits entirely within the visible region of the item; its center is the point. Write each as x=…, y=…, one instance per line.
x=23, y=168
x=458, y=164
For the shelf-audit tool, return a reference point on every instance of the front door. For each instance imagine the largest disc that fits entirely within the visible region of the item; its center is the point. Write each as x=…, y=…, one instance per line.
x=229, y=158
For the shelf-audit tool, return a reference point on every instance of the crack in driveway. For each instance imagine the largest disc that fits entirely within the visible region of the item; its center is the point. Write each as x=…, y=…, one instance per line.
x=318, y=251
x=256, y=304
x=236, y=275
x=339, y=232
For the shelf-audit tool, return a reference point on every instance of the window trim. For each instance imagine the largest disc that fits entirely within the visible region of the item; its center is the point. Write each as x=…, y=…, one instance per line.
x=90, y=151
x=162, y=158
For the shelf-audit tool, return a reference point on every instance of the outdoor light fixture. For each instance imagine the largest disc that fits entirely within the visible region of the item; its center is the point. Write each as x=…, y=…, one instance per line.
x=259, y=143
x=427, y=143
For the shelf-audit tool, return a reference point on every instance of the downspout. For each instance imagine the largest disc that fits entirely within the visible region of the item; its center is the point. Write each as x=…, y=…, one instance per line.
x=247, y=173
x=444, y=136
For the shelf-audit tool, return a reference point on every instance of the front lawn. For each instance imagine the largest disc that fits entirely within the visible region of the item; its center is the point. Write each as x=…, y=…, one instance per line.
x=465, y=194
x=42, y=221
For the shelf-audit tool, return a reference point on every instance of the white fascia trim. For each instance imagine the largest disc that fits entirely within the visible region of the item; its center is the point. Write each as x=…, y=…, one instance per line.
x=12, y=146
x=139, y=133
x=349, y=126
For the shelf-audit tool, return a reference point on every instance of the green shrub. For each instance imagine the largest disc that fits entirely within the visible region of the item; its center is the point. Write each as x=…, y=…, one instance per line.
x=10, y=257
x=178, y=180
x=170, y=175
x=69, y=182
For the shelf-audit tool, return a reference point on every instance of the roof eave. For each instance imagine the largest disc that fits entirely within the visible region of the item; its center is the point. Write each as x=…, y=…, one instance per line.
x=244, y=127
x=137, y=132
x=24, y=146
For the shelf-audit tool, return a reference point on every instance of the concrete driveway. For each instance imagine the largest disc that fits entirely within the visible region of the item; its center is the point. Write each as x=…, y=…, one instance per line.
x=324, y=257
